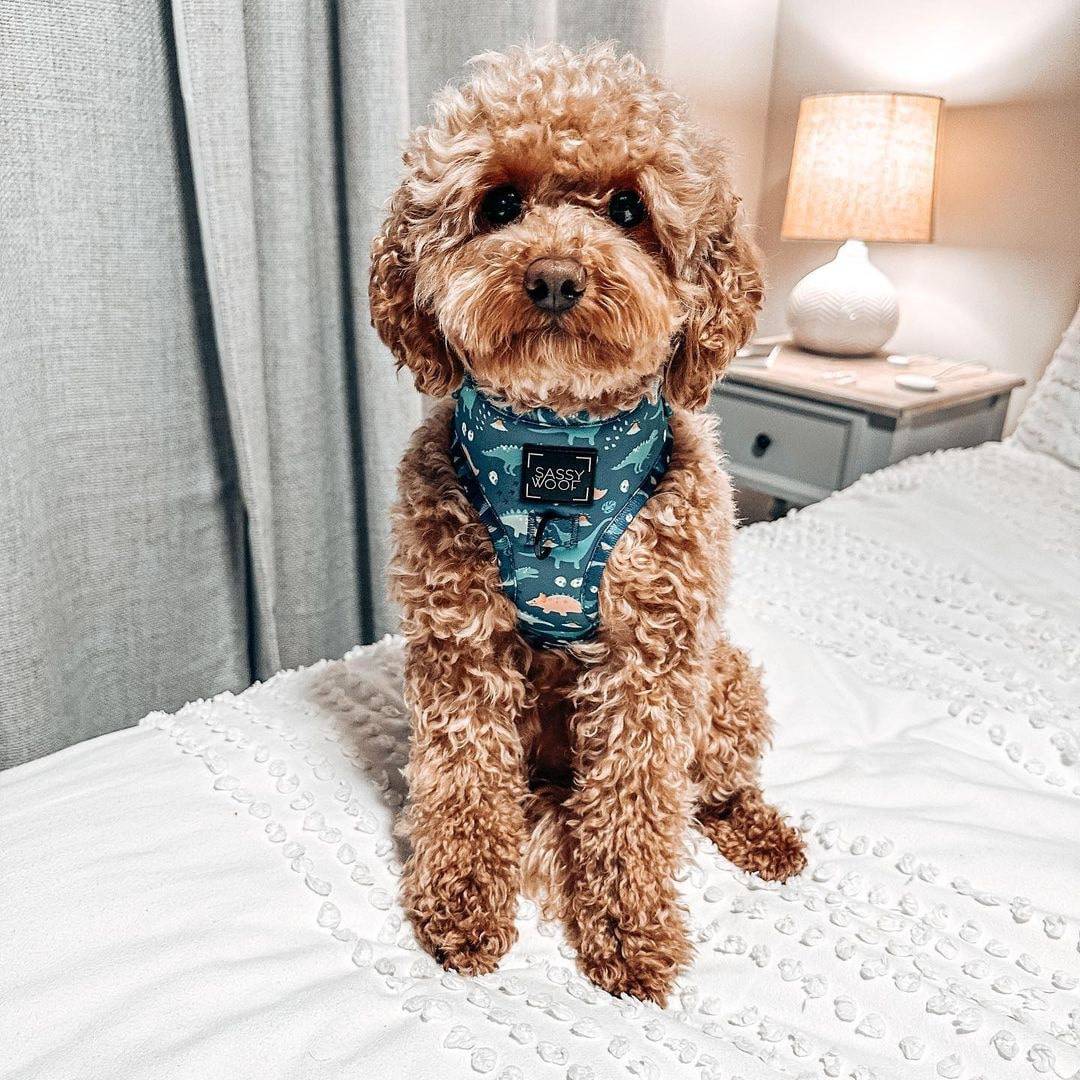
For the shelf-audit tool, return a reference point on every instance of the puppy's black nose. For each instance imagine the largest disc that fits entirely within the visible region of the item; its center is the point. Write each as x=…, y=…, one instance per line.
x=555, y=285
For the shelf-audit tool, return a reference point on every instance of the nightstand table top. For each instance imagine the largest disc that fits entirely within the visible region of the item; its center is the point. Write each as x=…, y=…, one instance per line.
x=874, y=389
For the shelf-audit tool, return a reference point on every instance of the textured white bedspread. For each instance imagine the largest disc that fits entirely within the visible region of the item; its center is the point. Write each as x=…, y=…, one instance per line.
x=213, y=894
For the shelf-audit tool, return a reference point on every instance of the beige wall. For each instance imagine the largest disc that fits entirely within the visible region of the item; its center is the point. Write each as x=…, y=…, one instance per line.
x=1002, y=279
x=719, y=55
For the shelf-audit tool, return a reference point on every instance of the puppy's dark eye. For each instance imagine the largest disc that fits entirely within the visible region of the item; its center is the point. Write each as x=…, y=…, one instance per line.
x=626, y=209
x=501, y=205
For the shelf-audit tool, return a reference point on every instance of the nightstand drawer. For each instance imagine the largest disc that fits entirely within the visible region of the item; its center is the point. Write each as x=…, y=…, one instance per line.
x=782, y=440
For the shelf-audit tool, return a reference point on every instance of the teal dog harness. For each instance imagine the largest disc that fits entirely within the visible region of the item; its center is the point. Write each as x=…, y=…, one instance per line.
x=556, y=493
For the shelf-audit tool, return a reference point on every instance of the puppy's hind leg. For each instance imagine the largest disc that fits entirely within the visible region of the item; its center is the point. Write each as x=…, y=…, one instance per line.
x=733, y=814
x=752, y=834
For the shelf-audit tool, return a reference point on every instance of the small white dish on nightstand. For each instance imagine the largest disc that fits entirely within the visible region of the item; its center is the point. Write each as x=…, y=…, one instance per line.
x=913, y=381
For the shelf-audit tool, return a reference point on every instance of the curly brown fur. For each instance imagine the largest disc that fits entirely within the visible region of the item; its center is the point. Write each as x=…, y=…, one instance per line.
x=732, y=812
x=465, y=685
x=571, y=773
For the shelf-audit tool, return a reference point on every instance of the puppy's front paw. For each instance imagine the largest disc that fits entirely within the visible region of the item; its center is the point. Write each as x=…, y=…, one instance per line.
x=466, y=926
x=642, y=961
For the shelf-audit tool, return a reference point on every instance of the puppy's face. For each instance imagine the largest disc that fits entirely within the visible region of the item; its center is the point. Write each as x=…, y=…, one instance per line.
x=563, y=234
x=548, y=299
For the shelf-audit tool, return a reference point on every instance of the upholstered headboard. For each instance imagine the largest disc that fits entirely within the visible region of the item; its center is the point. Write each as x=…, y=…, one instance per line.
x=1050, y=422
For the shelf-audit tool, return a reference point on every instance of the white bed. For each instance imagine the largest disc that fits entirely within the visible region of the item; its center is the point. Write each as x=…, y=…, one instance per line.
x=213, y=893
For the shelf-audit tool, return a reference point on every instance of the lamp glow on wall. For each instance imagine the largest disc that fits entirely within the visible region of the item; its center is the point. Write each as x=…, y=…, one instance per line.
x=862, y=171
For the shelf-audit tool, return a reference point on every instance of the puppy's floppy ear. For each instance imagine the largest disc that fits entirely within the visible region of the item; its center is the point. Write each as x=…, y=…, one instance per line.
x=725, y=293
x=411, y=334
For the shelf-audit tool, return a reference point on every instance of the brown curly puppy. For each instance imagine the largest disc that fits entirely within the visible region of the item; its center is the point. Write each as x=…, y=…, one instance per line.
x=571, y=772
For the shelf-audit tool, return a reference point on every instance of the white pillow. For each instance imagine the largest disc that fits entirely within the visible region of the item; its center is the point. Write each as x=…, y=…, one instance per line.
x=1050, y=421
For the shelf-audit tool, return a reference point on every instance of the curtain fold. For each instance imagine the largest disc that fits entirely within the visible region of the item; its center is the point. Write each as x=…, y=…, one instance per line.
x=121, y=576
x=199, y=430
x=211, y=56
x=373, y=64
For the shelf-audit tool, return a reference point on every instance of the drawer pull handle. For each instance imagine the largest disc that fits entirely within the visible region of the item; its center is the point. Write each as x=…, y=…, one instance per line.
x=761, y=444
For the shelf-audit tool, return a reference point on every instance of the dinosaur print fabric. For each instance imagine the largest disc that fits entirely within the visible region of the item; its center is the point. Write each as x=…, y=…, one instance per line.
x=556, y=493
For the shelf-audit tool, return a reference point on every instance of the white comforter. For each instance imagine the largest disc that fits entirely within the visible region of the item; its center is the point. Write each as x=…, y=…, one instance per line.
x=213, y=893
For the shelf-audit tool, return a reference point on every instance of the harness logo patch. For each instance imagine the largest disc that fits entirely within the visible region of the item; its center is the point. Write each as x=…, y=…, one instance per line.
x=557, y=474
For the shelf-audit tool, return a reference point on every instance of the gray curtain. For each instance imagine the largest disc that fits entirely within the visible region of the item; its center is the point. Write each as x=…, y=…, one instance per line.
x=198, y=428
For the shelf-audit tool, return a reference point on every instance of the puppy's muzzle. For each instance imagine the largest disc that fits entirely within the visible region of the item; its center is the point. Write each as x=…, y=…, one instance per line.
x=555, y=285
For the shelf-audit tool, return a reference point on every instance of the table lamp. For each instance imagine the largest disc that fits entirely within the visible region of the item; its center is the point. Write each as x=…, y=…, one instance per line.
x=862, y=170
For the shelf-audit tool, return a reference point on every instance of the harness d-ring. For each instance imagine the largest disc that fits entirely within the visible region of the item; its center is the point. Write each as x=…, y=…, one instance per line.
x=546, y=519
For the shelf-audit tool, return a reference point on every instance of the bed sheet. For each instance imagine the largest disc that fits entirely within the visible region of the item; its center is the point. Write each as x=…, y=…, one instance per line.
x=213, y=893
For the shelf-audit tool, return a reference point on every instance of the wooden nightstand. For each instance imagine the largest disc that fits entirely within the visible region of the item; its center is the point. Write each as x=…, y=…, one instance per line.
x=797, y=436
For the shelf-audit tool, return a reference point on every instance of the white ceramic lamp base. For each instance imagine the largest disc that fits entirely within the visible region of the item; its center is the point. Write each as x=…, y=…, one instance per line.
x=845, y=308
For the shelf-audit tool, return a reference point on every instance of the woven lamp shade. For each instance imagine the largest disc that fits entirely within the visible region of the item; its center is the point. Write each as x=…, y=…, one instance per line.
x=863, y=168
